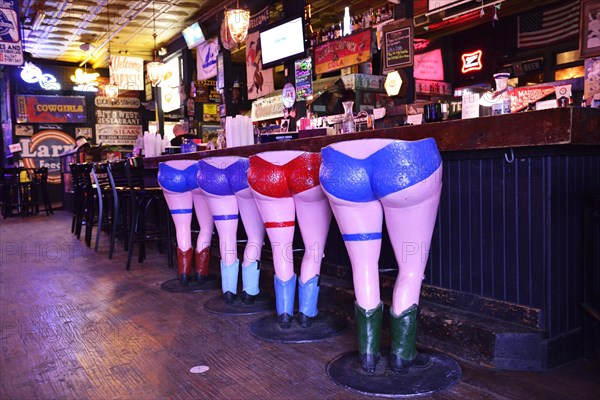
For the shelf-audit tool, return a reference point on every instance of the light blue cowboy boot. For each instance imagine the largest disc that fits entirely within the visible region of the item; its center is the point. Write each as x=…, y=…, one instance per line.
x=250, y=278
x=284, y=300
x=229, y=280
x=308, y=296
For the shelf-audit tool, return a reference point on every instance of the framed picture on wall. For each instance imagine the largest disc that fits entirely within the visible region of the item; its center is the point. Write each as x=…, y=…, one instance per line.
x=589, y=29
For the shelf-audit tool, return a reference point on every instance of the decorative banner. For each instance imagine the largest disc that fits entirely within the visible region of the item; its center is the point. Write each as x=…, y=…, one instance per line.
x=24, y=130
x=206, y=91
x=210, y=112
x=343, y=52
x=117, y=117
x=259, y=80
x=267, y=108
x=433, y=87
x=429, y=66
x=43, y=150
x=119, y=102
x=69, y=109
x=169, y=87
x=303, y=70
x=522, y=96
x=117, y=134
x=398, y=45
x=206, y=59
x=11, y=50
x=259, y=20
x=220, y=72
x=127, y=72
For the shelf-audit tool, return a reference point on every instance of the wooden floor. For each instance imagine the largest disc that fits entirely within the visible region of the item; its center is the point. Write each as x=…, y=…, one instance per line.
x=75, y=325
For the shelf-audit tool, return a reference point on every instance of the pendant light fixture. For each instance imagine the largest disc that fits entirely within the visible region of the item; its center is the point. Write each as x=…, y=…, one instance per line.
x=155, y=69
x=238, y=20
x=110, y=90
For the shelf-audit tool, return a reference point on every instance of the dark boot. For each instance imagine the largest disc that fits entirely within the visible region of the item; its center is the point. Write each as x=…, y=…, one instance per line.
x=202, y=259
x=250, y=278
x=184, y=265
x=284, y=300
x=368, y=328
x=404, y=354
x=308, y=296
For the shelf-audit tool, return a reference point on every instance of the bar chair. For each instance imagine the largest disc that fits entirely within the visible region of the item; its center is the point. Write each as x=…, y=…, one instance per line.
x=41, y=178
x=135, y=202
x=104, y=199
x=17, y=194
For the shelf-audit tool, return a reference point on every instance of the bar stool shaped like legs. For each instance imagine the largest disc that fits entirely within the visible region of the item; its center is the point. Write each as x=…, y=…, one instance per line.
x=225, y=185
x=179, y=183
x=363, y=180
x=286, y=187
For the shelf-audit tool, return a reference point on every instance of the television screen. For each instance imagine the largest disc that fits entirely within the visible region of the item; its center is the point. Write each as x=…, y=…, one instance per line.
x=193, y=35
x=282, y=41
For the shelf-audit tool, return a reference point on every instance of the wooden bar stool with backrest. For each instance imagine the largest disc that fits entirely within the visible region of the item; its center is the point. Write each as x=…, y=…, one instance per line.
x=140, y=200
x=104, y=196
x=78, y=199
x=41, y=177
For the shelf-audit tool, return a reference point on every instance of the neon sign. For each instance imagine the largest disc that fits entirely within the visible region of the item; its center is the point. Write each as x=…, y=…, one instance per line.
x=33, y=74
x=471, y=62
x=81, y=77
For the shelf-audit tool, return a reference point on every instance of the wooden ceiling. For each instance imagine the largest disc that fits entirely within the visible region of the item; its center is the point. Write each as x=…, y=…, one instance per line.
x=81, y=31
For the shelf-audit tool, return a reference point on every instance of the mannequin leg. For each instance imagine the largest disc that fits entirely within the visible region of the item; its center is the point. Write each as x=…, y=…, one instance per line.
x=361, y=226
x=205, y=220
x=180, y=205
x=255, y=232
x=278, y=216
x=410, y=218
x=224, y=210
x=314, y=219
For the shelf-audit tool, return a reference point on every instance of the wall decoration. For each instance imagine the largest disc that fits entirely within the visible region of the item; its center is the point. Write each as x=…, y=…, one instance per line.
x=589, y=31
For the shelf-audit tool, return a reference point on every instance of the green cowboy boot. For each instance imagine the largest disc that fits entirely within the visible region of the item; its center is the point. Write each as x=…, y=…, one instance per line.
x=404, y=354
x=368, y=329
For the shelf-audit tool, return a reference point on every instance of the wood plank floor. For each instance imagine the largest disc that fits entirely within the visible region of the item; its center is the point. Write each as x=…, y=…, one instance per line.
x=74, y=325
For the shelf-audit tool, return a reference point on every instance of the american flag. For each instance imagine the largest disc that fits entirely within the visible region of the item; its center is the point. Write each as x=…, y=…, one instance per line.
x=549, y=25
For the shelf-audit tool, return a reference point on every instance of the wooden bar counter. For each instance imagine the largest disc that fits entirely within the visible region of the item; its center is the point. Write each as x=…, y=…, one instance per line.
x=510, y=264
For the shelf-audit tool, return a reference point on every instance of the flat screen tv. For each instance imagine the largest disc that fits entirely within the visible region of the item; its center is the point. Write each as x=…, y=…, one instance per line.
x=193, y=35
x=282, y=41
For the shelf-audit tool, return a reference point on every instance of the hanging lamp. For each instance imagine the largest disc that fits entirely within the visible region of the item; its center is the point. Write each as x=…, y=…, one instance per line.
x=238, y=20
x=110, y=90
x=155, y=69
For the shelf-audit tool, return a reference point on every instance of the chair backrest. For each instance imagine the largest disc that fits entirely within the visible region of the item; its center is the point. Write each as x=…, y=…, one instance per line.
x=41, y=175
x=134, y=170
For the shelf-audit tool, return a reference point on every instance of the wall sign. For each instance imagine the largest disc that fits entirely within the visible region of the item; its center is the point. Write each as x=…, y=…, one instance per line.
x=259, y=80
x=429, y=66
x=117, y=134
x=127, y=72
x=343, y=52
x=206, y=59
x=471, y=61
x=288, y=96
x=398, y=45
x=33, y=74
x=11, y=50
x=70, y=109
x=303, y=73
x=43, y=150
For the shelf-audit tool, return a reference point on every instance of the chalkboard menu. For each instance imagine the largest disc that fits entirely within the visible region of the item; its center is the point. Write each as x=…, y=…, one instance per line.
x=398, y=45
